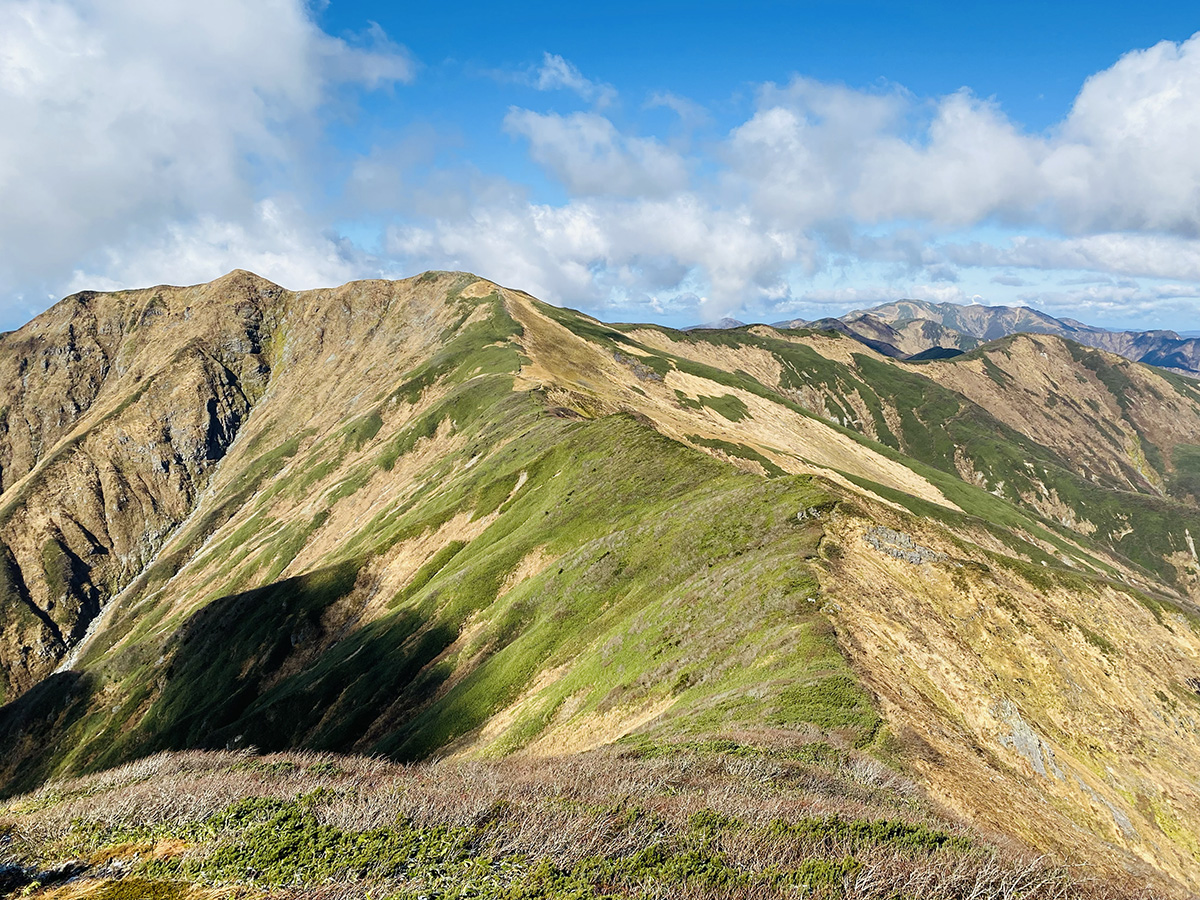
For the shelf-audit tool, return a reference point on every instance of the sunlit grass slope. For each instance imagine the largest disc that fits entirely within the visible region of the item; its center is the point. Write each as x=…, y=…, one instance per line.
x=629, y=578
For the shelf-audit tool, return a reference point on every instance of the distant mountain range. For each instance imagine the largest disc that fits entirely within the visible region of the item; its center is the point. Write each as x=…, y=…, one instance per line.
x=914, y=328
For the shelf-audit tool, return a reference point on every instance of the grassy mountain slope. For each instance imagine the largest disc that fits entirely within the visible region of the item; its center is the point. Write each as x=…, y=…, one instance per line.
x=444, y=519
x=389, y=636
x=1111, y=465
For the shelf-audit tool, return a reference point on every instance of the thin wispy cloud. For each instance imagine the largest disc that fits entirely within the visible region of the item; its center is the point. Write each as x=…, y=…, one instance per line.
x=556, y=73
x=691, y=114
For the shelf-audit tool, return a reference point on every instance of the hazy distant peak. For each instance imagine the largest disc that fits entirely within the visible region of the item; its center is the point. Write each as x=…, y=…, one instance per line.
x=926, y=326
x=722, y=323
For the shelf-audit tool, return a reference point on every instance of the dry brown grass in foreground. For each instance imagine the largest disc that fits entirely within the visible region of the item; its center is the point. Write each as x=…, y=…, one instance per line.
x=710, y=820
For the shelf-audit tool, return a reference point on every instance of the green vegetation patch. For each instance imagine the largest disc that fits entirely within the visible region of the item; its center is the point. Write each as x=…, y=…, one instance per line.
x=134, y=888
x=727, y=405
x=830, y=702
x=1113, y=375
x=1185, y=459
x=740, y=451
x=362, y=430
x=436, y=563
x=279, y=844
x=284, y=843
x=57, y=567
x=482, y=348
x=994, y=372
x=864, y=833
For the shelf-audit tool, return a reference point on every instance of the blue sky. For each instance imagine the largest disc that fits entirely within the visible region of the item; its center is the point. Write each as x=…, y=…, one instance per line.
x=661, y=161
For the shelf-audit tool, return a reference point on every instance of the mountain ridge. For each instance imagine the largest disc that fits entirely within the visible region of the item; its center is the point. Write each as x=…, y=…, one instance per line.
x=437, y=516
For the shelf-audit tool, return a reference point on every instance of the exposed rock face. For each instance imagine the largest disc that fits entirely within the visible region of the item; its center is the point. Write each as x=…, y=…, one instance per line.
x=1019, y=737
x=116, y=408
x=898, y=545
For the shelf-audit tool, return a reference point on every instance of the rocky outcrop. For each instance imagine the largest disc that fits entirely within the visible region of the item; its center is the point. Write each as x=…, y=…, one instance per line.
x=901, y=546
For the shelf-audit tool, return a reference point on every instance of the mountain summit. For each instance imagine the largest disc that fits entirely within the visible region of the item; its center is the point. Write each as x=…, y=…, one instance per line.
x=437, y=517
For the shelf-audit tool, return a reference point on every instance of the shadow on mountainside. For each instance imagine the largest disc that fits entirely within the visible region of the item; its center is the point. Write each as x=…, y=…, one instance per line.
x=281, y=667
x=285, y=666
x=30, y=725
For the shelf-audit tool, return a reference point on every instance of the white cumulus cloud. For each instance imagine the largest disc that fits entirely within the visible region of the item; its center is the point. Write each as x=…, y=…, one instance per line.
x=277, y=241
x=597, y=251
x=128, y=121
x=857, y=177
x=150, y=142
x=1116, y=253
x=556, y=73
x=587, y=153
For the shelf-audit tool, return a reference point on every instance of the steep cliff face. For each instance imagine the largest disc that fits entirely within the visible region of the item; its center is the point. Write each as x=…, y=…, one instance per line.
x=116, y=409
